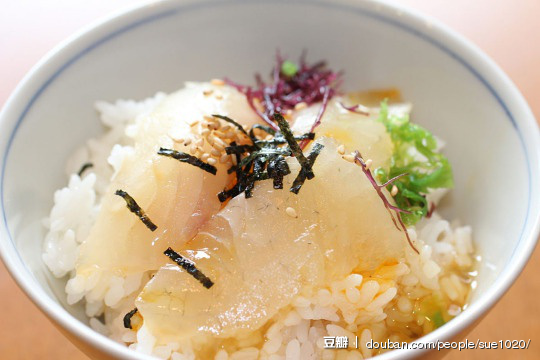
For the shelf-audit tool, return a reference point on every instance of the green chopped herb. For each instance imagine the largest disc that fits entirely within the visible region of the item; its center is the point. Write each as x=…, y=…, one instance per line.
x=190, y=159
x=127, y=318
x=85, y=167
x=190, y=267
x=438, y=319
x=415, y=154
x=136, y=209
x=288, y=68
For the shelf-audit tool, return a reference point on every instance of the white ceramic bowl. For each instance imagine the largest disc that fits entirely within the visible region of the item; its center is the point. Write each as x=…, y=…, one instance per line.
x=460, y=94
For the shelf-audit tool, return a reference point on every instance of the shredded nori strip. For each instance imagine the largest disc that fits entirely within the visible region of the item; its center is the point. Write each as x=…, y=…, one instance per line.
x=295, y=148
x=238, y=149
x=231, y=121
x=127, y=318
x=189, y=266
x=85, y=167
x=136, y=209
x=190, y=159
x=302, y=175
x=266, y=159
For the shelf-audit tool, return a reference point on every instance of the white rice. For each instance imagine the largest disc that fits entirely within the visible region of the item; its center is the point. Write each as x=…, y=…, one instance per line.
x=377, y=306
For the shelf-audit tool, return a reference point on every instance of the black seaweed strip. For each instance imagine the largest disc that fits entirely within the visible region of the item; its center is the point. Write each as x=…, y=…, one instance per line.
x=301, y=178
x=190, y=268
x=84, y=167
x=190, y=159
x=127, y=318
x=136, y=209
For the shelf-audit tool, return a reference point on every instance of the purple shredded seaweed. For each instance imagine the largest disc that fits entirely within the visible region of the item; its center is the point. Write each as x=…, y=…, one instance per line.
x=391, y=208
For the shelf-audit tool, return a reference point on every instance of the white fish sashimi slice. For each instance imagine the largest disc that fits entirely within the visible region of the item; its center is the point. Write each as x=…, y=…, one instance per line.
x=177, y=197
x=260, y=257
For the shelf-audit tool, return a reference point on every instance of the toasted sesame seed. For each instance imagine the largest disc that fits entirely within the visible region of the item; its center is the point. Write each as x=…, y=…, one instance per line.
x=369, y=162
x=205, y=132
x=394, y=190
x=199, y=142
x=217, y=82
x=300, y=106
x=211, y=140
x=291, y=212
x=268, y=137
x=205, y=156
x=215, y=153
x=219, y=144
x=224, y=158
x=233, y=160
x=230, y=135
x=208, y=92
x=212, y=161
x=177, y=139
x=219, y=97
x=341, y=149
x=349, y=157
x=225, y=127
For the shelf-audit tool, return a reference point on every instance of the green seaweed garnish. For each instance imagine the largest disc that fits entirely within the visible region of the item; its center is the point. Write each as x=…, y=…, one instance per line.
x=415, y=154
x=127, y=318
x=190, y=159
x=438, y=319
x=190, y=267
x=288, y=68
x=136, y=209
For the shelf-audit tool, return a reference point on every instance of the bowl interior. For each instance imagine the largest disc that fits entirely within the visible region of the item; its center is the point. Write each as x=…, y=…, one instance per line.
x=486, y=127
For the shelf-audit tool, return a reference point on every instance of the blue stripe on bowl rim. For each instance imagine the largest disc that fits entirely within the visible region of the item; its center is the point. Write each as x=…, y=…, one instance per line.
x=212, y=3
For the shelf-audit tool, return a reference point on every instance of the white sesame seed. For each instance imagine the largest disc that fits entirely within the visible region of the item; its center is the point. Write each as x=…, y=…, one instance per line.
x=215, y=152
x=205, y=156
x=341, y=149
x=208, y=92
x=394, y=190
x=291, y=212
x=369, y=162
x=233, y=159
x=219, y=96
x=211, y=140
x=225, y=127
x=199, y=142
x=193, y=150
x=217, y=82
x=219, y=144
x=268, y=137
x=224, y=158
x=193, y=122
x=205, y=132
x=300, y=106
x=212, y=161
x=187, y=142
x=349, y=157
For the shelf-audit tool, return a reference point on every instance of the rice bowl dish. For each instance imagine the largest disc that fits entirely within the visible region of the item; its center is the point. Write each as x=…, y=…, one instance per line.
x=195, y=228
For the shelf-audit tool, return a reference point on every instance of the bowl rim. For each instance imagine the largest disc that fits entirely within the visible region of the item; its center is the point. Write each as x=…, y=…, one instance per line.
x=91, y=36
